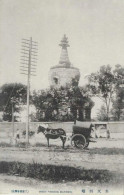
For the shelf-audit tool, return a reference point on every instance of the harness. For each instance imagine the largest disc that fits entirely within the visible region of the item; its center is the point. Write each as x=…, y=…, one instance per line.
x=58, y=132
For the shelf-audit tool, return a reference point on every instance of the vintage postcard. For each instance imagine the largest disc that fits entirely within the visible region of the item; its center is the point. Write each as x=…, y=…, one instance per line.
x=62, y=97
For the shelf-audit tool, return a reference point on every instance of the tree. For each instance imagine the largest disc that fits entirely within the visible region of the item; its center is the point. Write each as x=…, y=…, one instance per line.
x=80, y=103
x=102, y=114
x=118, y=99
x=117, y=110
x=13, y=94
x=63, y=104
x=102, y=84
x=45, y=102
x=119, y=76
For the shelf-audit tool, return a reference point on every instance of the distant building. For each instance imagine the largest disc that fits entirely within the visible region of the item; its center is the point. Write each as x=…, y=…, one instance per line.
x=63, y=73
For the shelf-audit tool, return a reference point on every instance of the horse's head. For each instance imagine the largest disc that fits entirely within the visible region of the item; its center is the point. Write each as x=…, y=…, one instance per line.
x=41, y=128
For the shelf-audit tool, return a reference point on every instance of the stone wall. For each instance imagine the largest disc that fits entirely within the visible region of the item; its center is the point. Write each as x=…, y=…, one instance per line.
x=6, y=128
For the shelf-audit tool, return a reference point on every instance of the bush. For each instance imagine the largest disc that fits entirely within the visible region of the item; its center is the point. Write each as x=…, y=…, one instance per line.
x=57, y=173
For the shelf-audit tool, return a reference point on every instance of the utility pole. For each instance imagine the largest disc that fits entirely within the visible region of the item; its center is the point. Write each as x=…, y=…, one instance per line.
x=13, y=101
x=12, y=118
x=28, y=67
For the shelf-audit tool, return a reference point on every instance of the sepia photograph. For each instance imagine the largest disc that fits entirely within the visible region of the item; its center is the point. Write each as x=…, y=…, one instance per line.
x=61, y=97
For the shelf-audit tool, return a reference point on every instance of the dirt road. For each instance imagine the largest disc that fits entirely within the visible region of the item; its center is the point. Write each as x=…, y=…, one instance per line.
x=101, y=157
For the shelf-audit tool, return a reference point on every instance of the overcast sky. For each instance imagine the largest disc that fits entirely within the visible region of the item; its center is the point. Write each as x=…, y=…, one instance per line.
x=95, y=29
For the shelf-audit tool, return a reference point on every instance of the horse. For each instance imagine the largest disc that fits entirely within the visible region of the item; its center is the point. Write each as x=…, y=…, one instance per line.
x=52, y=133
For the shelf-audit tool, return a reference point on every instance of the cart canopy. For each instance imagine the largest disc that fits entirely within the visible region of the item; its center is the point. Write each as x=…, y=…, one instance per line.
x=84, y=124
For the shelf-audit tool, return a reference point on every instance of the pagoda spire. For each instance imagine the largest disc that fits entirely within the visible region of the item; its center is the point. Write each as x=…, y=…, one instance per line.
x=64, y=59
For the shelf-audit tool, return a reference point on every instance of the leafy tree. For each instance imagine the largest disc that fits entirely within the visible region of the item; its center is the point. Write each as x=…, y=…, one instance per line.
x=102, y=84
x=13, y=94
x=45, y=102
x=102, y=114
x=80, y=103
x=61, y=104
x=117, y=110
x=118, y=99
x=119, y=76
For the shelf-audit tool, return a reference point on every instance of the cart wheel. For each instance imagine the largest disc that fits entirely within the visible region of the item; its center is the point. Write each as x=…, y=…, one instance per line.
x=86, y=145
x=78, y=141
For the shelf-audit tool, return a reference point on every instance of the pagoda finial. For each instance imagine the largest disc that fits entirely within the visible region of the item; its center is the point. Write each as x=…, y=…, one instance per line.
x=64, y=59
x=64, y=42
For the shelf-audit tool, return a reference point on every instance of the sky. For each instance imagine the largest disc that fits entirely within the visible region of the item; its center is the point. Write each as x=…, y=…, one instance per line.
x=95, y=30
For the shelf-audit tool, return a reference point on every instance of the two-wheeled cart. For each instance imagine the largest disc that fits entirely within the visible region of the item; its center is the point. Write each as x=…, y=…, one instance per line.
x=81, y=135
